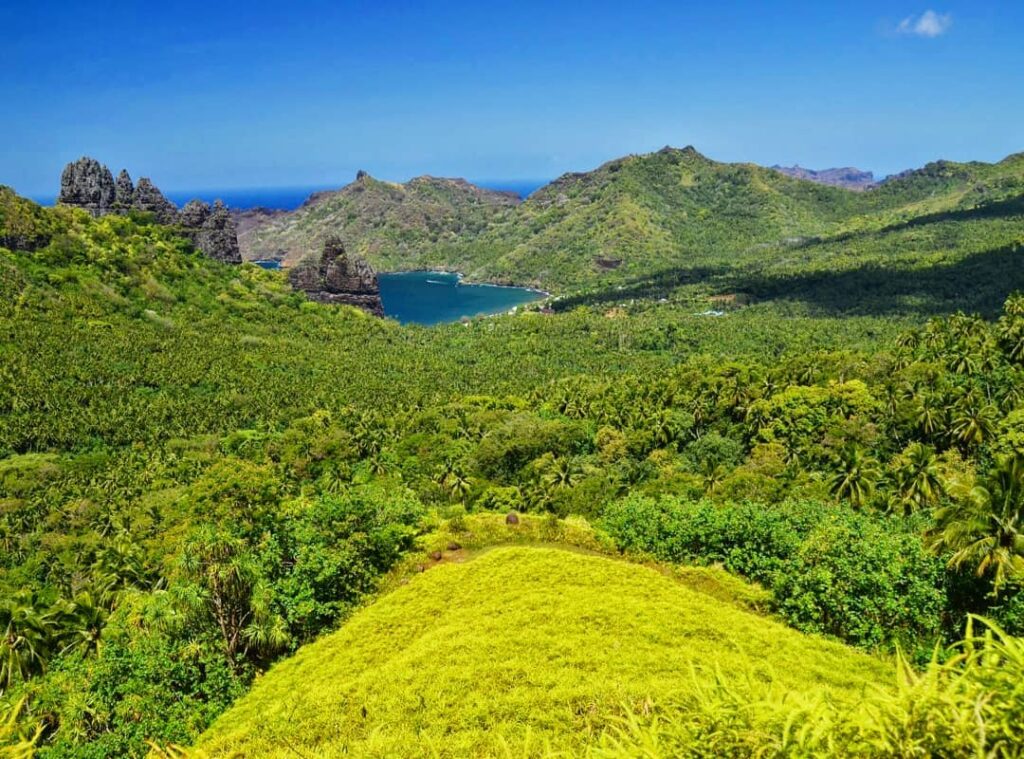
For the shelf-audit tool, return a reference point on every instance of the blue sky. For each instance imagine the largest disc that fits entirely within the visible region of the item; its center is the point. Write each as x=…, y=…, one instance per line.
x=216, y=95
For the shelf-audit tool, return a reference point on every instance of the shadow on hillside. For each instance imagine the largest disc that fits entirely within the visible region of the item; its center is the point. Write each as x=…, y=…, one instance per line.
x=978, y=283
x=997, y=209
x=656, y=285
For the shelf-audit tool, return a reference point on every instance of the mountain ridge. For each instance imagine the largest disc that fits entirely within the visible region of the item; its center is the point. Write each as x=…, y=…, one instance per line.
x=629, y=216
x=375, y=218
x=848, y=177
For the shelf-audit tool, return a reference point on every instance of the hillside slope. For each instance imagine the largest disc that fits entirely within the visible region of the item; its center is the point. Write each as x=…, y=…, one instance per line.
x=396, y=225
x=518, y=649
x=628, y=218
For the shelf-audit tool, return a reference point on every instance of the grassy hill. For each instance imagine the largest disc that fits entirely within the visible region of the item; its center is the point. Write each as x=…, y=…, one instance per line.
x=627, y=219
x=518, y=651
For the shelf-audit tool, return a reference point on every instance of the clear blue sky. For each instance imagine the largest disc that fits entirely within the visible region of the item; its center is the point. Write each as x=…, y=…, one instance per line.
x=215, y=95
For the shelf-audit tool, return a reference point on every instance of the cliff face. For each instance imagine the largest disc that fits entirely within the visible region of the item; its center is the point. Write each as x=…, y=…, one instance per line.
x=88, y=184
x=148, y=198
x=338, y=278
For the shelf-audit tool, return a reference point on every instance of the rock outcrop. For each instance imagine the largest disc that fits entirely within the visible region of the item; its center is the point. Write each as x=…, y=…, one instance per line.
x=88, y=184
x=213, y=230
x=337, y=277
x=194, y=214
x=124, y=191
x=149, y=199
x=217, y=236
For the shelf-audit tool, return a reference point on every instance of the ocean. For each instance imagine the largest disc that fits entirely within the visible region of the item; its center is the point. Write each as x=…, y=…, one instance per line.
x=290, y=198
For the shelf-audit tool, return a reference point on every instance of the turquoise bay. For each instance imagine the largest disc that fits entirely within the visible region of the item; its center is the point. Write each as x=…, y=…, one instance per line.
x=426, y=297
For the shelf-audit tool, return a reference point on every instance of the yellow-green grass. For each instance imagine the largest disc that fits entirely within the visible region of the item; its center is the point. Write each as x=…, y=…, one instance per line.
x=520, y=651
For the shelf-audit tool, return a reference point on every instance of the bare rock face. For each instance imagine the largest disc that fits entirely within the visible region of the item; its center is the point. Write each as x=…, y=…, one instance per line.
x=194, y=214
x=218, y=235
x=87, y=184
x=148, y=198
x=124, y=192
x=338, y=278
x=214, y=231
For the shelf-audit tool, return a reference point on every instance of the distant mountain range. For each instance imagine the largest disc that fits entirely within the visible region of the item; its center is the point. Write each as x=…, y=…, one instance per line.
x=626, y=219
x=848, y=177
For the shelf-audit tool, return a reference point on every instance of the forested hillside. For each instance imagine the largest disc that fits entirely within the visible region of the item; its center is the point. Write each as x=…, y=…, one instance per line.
x=397, y=226
x=671, y=211
x=201, y=471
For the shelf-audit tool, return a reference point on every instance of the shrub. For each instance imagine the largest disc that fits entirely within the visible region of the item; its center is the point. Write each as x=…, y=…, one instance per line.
x=861, y=578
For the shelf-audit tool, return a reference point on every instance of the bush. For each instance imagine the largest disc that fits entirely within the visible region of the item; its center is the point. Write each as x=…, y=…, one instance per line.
x=134, y=691
x=859, y=580
x=864, y=579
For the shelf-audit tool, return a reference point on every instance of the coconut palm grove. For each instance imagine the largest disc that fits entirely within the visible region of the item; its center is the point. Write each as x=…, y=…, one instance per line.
x=737, y=470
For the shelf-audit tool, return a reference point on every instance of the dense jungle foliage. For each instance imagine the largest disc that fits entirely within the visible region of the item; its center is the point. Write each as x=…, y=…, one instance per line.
x=200, y=471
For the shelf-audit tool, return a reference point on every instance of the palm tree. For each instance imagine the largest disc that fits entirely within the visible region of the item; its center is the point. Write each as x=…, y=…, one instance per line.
x=82, y=624
x=1011, y=328
x=917, y=479
x=973, y=422
x=26, y=634
x=928, y=417
x=562, y=473
x=858, y=473
x=458, y=485
x=712, y=476
x=963, y=359
x=453, y=480
x=380, y=465
x=662, y=429
x=984, y=526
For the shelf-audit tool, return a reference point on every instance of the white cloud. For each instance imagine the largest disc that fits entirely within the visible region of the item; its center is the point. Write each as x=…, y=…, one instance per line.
x=928, y=24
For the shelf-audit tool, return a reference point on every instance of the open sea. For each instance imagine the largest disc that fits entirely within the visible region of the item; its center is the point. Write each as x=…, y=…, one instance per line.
x=290, y=198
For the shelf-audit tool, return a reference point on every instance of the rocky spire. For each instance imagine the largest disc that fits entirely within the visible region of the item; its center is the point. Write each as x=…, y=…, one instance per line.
x=124, y=191
x=148, y=198
x=88, y=184
x=194, y=214
x=338, y=278
x=218, y=235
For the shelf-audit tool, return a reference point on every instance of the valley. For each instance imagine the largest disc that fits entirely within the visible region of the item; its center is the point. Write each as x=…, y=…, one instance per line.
x=758, y=455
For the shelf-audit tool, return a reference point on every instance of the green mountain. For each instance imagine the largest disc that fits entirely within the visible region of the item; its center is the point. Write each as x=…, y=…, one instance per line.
x=395, y=226
x=520, y=652
x=626, y=219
